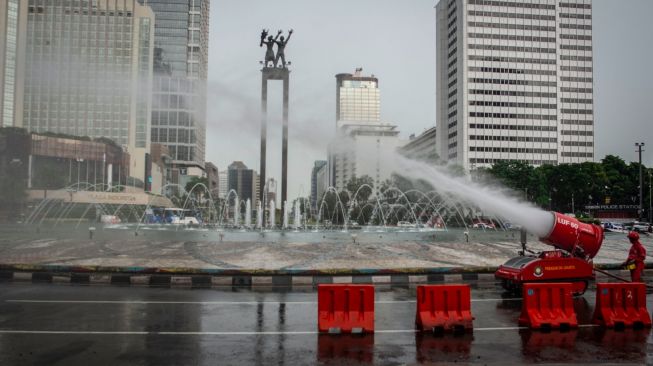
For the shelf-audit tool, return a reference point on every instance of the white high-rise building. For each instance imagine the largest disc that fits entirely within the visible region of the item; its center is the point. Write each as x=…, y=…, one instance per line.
x=514, y=81
x=361, y=136
x=13, y=25
x=223, y=183
x=359, y=151
x=357, y=98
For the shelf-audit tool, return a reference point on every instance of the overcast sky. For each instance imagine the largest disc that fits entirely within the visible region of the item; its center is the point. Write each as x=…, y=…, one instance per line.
x=395, y=41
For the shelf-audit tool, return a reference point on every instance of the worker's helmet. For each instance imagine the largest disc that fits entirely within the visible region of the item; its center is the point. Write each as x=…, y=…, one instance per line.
x=633, y=235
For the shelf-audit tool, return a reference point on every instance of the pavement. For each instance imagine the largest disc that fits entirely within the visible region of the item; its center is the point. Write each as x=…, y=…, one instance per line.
x=170, y=249
x=112, y=325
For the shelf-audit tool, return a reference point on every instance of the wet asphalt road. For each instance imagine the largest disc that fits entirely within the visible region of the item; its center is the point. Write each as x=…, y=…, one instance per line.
x=96, y=325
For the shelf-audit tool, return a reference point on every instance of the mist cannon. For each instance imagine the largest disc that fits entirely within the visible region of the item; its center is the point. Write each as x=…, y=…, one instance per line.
x=577, y=238
x=576, y=244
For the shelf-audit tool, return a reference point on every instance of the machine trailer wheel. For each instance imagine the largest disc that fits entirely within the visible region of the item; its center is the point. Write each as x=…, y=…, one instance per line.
x=580, y=287
x=511, y=287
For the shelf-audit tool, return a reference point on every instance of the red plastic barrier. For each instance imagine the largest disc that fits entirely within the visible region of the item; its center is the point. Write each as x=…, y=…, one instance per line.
x=548, y=306
x=621, y=305
x=345, y=308
x=443, y=307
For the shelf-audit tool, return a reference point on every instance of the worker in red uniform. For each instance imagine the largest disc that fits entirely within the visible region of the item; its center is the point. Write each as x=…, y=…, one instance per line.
x=636, y=256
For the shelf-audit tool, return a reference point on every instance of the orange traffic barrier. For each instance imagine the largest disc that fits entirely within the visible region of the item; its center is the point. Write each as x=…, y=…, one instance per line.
x=548, y=306
x=443, y=308
x=621, y=305
x=345, y=308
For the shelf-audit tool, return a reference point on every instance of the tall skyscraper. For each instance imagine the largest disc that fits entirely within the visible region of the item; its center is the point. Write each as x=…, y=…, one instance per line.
x=223, y=183
x=13, y=25
x=271, y=187
x=357, y=98
x=180, y=69
x=88, y=72
x=514, y=81
x=317, y=166
x=244, y=181
x=361, y=138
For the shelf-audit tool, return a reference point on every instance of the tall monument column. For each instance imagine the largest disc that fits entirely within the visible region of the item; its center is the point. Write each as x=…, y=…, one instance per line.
x=284, y=145
x=274, y=70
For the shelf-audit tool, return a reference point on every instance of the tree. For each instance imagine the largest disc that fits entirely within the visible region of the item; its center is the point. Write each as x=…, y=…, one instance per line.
x=363, y=186
x=334, y=207
x=195, y=181
x=519, y=176
x=456, y=170
x=619, y=186
x=568, y=187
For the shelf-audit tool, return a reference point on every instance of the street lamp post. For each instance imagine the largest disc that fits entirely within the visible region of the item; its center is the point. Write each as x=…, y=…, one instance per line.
x=640, y=146
x=650, y=206
x=78, y=163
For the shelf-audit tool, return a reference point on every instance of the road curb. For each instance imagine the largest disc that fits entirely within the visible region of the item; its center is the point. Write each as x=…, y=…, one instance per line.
x=175, y=271
x=249, y=280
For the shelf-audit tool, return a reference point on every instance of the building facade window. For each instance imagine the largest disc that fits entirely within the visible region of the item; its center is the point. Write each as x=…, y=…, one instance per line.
x=11, y=54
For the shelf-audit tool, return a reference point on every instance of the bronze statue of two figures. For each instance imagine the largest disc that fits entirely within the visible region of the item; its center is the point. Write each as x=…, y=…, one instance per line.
x=281, y=43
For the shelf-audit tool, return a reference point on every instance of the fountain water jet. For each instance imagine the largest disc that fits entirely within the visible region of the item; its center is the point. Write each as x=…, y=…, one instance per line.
x=272, y=215
x=259, y=216
x=248, y=214
x=298, y=216
x=285, y=215
x=236, y=212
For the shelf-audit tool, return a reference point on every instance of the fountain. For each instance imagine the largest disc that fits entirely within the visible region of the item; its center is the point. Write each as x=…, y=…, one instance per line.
x=389, y=210
x=236, y=212
x=259, y=217
x=298, y=216
x=248, y=214
x=336, y=211
x=285, y=216
x=272, y=215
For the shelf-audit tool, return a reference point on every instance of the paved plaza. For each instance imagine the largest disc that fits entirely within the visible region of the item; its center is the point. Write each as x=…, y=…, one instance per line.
x=162, y=247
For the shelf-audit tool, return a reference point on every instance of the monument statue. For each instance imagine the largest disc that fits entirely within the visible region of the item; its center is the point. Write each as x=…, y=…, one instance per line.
x=278, y=71
x=269, y=52
x=281, y=43
x=281, y=46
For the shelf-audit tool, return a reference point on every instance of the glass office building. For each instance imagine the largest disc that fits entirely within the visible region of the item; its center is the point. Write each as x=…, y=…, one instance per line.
x=89, y=71
x=243, y=181
x=357, y=98
x=360, y=135
x=318, y=165
x=180, y=71
x=89, y=63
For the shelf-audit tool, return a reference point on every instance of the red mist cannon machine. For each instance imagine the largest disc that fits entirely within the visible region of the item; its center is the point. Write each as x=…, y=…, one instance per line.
x=576, y=244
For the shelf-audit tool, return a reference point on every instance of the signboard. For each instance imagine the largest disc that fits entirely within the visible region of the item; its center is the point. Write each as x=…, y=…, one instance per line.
x=133, y=198
x=612, y=207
